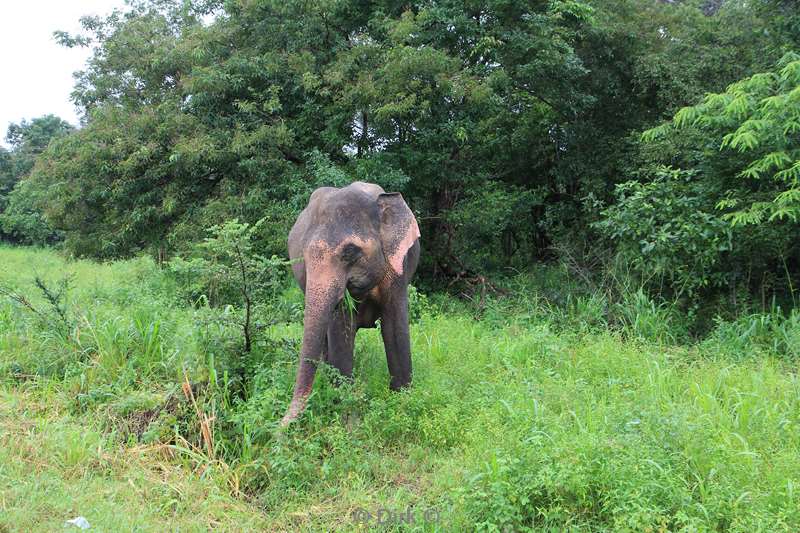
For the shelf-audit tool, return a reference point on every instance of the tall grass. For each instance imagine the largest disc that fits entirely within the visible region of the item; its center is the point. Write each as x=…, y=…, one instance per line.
x=548, y=411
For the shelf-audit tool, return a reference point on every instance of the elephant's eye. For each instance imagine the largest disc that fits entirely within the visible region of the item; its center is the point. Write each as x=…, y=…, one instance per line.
x=351, y=253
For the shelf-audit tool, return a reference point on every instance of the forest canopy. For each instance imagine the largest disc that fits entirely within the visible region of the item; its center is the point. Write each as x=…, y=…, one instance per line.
x=518, y=132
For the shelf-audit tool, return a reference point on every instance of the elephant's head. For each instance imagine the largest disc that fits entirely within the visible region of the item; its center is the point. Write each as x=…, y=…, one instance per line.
x=353, y=238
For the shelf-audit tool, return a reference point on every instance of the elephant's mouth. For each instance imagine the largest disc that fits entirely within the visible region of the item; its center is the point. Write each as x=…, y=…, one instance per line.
x=358, y=289
x=360, y=286
x=363, y=281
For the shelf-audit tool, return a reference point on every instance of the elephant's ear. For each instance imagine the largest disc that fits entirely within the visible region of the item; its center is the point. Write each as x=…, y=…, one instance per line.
x=399, y=229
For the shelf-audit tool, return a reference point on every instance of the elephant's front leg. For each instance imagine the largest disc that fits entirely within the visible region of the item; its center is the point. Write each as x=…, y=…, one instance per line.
x=396, y=338
x=341, y=340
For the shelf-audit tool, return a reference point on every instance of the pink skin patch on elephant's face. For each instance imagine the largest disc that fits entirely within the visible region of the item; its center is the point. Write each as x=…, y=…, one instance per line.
x=325, y=265
x=322, y=276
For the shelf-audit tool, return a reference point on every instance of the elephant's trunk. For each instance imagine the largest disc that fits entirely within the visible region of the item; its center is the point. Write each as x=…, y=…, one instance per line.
x=322, y=296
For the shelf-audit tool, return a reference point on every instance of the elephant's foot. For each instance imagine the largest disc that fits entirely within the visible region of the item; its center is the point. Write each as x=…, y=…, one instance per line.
x=400, y=383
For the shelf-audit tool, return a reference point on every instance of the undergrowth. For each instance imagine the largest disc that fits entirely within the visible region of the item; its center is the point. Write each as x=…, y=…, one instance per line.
x=550, y=409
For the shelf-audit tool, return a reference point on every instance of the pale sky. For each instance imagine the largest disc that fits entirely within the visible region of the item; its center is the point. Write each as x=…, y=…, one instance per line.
x=36, y=71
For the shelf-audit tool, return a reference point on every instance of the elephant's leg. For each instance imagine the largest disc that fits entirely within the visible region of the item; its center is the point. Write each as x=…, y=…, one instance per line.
x=396, y=339
x=341, y=341
x=325, y=350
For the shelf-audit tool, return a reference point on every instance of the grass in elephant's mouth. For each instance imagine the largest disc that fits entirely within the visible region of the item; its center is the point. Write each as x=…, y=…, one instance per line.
x=350, y=303
x=525, y=420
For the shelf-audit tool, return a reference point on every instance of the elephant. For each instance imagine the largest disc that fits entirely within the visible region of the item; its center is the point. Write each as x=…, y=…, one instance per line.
x=365, y=241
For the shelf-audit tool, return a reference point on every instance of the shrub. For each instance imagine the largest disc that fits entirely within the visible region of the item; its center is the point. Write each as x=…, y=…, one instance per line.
x=225, y=270
x=668, y=232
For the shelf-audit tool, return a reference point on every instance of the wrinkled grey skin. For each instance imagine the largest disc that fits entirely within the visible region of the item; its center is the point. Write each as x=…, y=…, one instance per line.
x=367, y=241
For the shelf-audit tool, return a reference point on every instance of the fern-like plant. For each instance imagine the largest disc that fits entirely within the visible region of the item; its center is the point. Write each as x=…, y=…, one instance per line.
x=758, y=118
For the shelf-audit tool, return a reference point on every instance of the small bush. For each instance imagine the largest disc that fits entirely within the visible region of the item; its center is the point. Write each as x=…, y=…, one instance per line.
x=226, y=270
x=669, y=233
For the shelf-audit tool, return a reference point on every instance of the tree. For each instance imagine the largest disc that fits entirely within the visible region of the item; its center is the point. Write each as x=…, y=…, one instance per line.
x=521, y=116
x=759, y=119
x=733, y=224
x=7, y=178
x=225, y=270
x=28, y=139
x=21, y=221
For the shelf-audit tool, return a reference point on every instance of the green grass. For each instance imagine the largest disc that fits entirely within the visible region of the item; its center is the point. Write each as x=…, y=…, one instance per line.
x=535, y=417
x=54, y=467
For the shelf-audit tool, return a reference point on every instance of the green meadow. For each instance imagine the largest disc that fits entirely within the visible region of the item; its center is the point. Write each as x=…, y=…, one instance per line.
x=123, y=402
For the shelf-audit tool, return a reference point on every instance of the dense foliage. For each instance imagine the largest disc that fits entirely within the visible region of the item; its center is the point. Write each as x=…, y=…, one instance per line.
x=730, y=221
x=507, y=125
x=21, y=219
